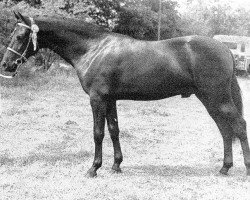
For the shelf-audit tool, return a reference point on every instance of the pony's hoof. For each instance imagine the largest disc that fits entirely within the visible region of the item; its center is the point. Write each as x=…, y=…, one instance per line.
x=248, y=173
x=224, y=171
x=116, y=170
x=91, y=174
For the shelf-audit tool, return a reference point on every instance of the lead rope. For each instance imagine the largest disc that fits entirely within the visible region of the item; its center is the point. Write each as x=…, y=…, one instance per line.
x=4, y=76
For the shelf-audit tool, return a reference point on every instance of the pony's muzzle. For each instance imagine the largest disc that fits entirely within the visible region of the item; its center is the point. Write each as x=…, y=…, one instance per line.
x=5, y=68
x=4, y=65
x=11, y=67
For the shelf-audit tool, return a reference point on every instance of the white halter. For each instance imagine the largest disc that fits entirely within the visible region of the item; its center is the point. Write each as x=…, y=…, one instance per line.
x=33, y=36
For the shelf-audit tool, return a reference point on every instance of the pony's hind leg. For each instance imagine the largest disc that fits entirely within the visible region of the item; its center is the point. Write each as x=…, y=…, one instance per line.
x=113, y=128
x=239, y=128
x=230, y=122
x=238, y=125
x=227, y=135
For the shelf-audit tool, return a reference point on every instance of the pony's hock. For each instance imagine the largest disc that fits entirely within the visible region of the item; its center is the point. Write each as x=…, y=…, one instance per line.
x=112, y=67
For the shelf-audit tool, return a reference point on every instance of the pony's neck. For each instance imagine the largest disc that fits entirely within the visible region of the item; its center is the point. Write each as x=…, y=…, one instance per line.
x=69, y=39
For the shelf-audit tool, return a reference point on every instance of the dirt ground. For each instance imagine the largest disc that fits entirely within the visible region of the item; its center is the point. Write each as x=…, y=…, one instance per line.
x=172, y=148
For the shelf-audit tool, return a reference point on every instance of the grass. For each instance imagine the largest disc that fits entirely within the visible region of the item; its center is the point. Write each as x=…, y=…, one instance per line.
x=172, y=148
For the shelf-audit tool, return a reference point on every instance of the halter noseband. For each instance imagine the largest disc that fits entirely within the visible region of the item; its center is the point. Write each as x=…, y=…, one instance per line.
x=19, y=61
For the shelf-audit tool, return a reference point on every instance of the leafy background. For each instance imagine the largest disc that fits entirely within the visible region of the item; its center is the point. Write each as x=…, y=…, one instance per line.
x=136, y=18
x=172, y=148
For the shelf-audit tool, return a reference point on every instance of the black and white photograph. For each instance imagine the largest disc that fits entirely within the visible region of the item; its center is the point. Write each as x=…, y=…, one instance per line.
x=124, y=99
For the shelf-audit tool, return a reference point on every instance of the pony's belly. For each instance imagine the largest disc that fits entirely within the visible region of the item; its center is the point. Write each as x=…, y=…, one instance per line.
x=148, y=94
x=143, y=97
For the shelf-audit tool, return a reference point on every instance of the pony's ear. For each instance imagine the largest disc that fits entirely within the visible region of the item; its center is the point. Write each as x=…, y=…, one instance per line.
x=16, y=15
x=21, y=18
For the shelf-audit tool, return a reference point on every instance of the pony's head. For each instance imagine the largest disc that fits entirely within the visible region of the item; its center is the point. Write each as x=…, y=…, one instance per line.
x=23, y=43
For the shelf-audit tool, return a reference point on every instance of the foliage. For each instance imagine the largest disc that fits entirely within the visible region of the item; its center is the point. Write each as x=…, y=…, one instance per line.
x=6, y=26
x=139, y=19
x=135, y=24
x=104, y=12
x=136, y=18
x=214, y=17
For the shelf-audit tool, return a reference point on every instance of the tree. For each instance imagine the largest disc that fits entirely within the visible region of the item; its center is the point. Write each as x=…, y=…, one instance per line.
x=104, y=12
x=214, y=17
x=139, y=19
x=137, y=25
x=6, y=26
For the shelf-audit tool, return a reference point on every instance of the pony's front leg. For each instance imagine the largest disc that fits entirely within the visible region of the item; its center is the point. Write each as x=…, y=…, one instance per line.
x=114, y=134
x=99, y=111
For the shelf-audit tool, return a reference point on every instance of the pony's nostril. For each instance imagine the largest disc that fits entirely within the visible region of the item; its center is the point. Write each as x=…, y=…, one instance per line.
x=18, y=61
x=4, y=65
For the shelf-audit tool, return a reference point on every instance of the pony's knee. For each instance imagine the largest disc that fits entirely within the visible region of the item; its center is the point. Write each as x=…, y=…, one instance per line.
x=113, y=127
x=228, y=111
x=98, y=136
x=114, y=131
x=234, y=119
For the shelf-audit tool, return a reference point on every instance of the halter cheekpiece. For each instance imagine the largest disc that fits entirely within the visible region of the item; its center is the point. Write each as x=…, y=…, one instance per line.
x=33, y=36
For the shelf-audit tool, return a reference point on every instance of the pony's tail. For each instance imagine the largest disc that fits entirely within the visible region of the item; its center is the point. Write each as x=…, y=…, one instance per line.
x=236, y=94
x=235, y=90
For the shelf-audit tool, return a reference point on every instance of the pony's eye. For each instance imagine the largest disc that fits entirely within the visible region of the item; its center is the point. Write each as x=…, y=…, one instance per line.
x=18, y=37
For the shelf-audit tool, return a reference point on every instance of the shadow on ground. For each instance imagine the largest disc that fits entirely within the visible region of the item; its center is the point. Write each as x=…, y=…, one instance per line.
x=179, y=171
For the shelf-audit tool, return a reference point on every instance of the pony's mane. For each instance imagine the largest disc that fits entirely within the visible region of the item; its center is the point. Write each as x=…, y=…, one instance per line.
x=70, y=24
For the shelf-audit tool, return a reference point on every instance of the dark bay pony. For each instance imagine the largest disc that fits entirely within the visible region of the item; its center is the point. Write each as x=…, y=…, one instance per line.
x=112, y=67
